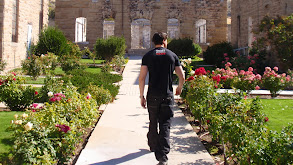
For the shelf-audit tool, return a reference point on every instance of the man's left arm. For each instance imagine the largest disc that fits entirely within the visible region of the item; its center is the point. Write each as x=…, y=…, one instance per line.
x=181, y=76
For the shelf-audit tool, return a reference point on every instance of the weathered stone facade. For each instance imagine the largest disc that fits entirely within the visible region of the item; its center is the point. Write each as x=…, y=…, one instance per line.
x=31, y=16
x=157, y=12
x=247, y=15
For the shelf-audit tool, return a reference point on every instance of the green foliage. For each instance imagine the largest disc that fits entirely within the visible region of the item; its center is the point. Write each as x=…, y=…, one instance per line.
x=52, y=40
x=279, y=33
x=82, y=79
x=184, y=48
x=118, y=61
x=2, y=65
x=108, y=48
x=16, y=96
x=214, y=55
x=48, y=63
x=101, y=95
x=37, y=65
x=49, y=135
x=238, y=124
x=32, y=66
x=69, y=62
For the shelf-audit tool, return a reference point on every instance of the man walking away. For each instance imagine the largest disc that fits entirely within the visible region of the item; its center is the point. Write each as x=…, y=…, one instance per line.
x=160, y=63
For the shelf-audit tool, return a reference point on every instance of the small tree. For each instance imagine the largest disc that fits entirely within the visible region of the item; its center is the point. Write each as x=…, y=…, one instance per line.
x=52, y=40
x=184, y=48
x=278, y=32
x=108, y=48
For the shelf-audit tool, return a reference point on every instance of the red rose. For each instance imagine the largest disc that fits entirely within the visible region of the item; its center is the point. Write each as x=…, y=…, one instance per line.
x=36, y=92
x=266, y=119
x=190, y=78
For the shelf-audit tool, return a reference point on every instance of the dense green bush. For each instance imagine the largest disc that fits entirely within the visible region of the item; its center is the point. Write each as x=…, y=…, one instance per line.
x=83, y=79
x=184, y=48
x=52, y=40
x=108, y=48
x=16, y=96
x=101, y=95
x=218, y=53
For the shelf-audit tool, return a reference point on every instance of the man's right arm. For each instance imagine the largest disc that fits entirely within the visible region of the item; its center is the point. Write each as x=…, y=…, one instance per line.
x=181, y=76
x=141, y=81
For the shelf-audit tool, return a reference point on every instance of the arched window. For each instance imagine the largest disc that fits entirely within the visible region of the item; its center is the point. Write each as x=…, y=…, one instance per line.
x=108, y=28
x=80, y=29
x=173, y=28
x=201, y=30
x=140, y=34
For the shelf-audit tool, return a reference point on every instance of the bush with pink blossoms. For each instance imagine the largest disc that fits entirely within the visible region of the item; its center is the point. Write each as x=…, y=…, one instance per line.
x=275, y=82
x=247, y=80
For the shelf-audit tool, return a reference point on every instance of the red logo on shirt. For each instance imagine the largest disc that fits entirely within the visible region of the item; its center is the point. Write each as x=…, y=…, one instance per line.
x=160, y=52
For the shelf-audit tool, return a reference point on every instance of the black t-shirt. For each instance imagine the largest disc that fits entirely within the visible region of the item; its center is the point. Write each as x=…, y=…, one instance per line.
x=161, y=63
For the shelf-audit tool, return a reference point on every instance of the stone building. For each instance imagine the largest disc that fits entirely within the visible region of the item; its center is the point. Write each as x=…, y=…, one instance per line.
x=20, y=24
x=247, y=15
x=83, y=21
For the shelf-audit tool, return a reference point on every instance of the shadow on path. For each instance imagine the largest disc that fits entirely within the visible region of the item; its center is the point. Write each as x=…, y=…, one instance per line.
x=125, y=158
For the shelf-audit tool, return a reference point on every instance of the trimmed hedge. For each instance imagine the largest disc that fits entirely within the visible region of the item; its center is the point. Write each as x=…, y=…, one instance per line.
x=184, y=48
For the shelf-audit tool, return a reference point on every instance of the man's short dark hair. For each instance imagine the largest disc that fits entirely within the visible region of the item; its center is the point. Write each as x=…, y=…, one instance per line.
x=159, y=37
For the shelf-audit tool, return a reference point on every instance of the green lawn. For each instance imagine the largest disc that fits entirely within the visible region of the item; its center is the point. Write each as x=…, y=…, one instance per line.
x=90, y=61
x=279, y=112
x=39, y=80
x=5, y=118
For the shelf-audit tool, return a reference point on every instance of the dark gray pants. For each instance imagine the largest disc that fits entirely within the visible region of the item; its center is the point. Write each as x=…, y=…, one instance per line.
x=160, y=112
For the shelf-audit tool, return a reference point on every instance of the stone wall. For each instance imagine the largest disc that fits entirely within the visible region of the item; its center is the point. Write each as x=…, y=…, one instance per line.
x=124, y=12
x=30, y=13
x=250, y=13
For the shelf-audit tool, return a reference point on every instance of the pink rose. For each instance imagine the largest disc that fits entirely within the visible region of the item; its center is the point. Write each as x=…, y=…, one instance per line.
x=276, y=69
x=257, y=87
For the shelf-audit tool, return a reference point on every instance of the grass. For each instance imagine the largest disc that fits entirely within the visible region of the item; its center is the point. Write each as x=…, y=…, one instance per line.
x=90, y=61
x=279, y=112
x=39, y=80
x=5, y=135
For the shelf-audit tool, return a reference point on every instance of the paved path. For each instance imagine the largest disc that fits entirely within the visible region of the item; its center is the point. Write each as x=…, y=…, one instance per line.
x=120, y=135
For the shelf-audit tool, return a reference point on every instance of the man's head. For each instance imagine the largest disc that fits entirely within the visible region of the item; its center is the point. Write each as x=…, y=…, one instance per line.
x=159, y=38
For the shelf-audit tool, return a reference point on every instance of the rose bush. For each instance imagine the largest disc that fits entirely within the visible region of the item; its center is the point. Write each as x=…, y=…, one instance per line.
x=49, y=134
x=15, y=95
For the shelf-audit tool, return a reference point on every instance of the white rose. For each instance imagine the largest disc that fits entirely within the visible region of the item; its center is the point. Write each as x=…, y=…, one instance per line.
x=11, y=122
x=24, y=115
x=189, y=60
x=28, y=126
x=183, y=64
x=50, y=94
x=18, y=122
x=192, y=72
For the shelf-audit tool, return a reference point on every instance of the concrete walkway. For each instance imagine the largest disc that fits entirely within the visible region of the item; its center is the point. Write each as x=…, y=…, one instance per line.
x=120, y=135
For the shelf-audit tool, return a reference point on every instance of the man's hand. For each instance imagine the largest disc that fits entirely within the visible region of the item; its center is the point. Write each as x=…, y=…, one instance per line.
x=143, y=102
x=178, y=91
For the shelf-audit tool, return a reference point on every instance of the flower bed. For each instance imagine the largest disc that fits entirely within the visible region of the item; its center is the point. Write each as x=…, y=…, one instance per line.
x=235, y=122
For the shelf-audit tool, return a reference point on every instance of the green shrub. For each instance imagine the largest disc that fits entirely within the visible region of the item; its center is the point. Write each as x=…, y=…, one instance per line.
x=184, y=48
x=48, y=62
x=52, y=40
x=69, y=62
x=218, y=53
x=118, y=61
x=108, y=48
x=16, y=96
x=82, y=79
x=101, y=95
x=32, y=66
x=50, y=135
